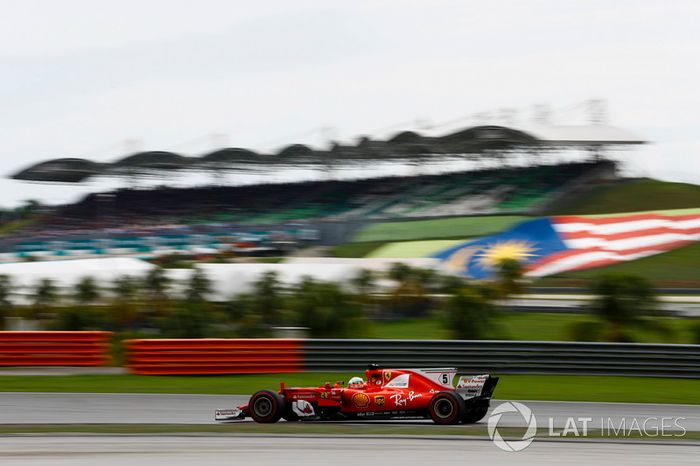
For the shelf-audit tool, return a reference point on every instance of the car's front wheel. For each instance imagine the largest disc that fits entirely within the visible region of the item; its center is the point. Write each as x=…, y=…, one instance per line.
x=266, y=406
x=446, y=408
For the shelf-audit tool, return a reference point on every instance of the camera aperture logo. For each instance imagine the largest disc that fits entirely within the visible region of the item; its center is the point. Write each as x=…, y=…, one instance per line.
x=573, y=427
x=528, y=436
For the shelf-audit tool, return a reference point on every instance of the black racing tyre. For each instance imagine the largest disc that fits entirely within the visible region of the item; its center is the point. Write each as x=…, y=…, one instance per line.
x=446, y=408
x=474, y=415
x=266, y=406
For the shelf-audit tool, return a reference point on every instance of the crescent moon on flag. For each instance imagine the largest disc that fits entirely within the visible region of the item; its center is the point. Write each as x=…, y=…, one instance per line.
x=458, y=260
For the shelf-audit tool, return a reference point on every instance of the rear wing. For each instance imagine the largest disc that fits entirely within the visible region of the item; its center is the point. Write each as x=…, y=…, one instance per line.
x=476, y=386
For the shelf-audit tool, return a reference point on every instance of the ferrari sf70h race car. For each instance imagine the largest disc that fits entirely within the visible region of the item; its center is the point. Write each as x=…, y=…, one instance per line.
x=385, y=394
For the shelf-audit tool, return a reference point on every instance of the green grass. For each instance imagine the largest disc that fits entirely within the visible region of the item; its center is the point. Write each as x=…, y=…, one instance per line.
x=525, y=326
x=520, y=387
x=427, y=328
x=680, y=267
x=413, y=249
x=535, y=326
x=355, y=249
x=599, y=389
x=215, y=385
x=283, y=428
x=436, y=229
x=632, y=196
x=297, y=428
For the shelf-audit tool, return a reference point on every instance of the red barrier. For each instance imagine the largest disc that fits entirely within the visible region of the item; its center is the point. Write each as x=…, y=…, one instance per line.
x=54, y=348
x=213, y=356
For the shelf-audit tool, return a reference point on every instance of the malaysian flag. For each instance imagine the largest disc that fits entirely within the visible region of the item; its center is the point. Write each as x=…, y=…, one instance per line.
x=553, y=245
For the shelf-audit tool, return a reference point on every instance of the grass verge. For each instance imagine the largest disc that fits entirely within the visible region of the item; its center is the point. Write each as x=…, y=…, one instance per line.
x=529, y=326
x=437, y=228
x=355, y=249
x=632, y=196
x=284, y=428
x=519, y=387
x=413, y=249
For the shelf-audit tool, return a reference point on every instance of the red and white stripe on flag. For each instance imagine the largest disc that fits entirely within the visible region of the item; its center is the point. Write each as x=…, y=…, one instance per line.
x=594, y=242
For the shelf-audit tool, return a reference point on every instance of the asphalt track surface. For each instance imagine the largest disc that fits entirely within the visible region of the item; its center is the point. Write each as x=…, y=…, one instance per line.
x=335, y=451
x=77, y=408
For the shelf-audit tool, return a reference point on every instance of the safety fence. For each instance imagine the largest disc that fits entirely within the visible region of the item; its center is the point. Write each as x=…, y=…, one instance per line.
x=214, y=356
x=256, y=356
x=54, y=348
x=508, y=357
x=239, y=356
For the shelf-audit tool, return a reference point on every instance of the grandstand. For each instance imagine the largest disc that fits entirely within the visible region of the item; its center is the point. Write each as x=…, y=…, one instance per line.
x=274, y=218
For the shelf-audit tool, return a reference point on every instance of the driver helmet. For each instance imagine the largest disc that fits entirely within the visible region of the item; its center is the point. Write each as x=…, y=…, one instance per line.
x=356, y=382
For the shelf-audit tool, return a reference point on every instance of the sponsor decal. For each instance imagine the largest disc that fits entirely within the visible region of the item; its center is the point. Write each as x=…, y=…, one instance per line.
x=387, y=375
x=473, y=385
x=379, y=400
x=303, y=396
x=360, y=400
x=400, y=381
x=324, y=394
x=227, y=414
x=400, y=400
x=303, y=408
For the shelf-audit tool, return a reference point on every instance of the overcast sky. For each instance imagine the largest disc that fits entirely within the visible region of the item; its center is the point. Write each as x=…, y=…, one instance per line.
x=81, y=78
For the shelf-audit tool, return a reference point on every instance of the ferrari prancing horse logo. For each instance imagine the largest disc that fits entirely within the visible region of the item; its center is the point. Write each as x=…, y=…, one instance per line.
x=387, y=376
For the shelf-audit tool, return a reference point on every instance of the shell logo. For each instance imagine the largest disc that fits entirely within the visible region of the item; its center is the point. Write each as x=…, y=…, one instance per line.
x=360, y=400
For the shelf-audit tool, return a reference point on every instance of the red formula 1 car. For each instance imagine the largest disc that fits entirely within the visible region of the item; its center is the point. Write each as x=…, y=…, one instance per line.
x=385, y=394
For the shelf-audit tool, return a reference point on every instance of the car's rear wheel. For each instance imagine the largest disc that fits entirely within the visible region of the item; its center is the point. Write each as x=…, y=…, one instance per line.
x=446, y=408
x=266, y=406
x=475, y=414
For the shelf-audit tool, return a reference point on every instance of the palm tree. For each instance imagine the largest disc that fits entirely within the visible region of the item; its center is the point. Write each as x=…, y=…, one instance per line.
x=5, y=302
x=510, y=278
x=86, y=291
x=45, y=297
x=364, y=282
x=623, y=302
x=326, y=310
x=470, y=314
x=268, y=297
x=157, y=283
x=400, y=272
x=124, y=289
x=198, y=287
x=409, y=298
x=364, y=285
x=451, y=283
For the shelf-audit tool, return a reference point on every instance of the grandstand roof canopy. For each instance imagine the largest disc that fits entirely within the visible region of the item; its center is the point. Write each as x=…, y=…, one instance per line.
x=404, y=145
